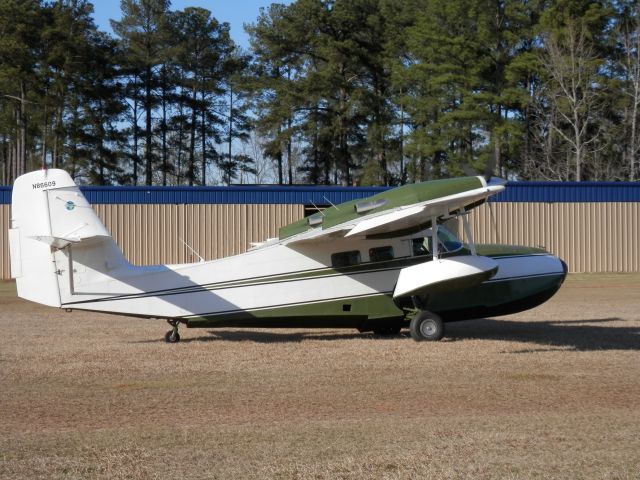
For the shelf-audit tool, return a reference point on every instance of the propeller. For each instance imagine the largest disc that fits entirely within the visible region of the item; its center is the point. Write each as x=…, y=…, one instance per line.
x=490, y=166
x=491, y=179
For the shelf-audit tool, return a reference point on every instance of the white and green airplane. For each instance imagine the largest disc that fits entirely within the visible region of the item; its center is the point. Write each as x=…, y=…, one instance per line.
x=379, y=264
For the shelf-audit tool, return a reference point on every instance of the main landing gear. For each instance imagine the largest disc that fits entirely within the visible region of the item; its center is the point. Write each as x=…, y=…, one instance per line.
x=172, y=336
x=427, y=326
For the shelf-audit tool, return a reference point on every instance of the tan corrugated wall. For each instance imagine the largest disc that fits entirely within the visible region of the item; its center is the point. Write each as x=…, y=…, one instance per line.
x=590, y=237
x=152, y=234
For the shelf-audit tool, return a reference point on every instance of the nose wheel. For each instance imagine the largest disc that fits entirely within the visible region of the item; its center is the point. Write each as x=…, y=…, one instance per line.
x=172, y=336
x=426, y=325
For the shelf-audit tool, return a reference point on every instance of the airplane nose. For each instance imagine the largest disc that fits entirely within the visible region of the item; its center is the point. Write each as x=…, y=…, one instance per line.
x=565, y=270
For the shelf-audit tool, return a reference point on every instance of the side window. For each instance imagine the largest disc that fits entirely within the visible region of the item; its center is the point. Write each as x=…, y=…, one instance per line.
x=345, y=259
x=381, y=254
x=420, y=246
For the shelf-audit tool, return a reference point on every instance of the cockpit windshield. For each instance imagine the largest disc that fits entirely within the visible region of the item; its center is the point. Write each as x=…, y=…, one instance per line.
x=447, y=242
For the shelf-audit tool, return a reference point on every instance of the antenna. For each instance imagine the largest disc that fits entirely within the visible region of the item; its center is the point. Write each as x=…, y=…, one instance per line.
x=330, y=203
x=316, y=207
x=192, y=250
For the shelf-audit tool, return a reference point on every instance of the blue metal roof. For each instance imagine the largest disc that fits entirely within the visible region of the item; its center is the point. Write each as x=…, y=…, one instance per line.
x=570, y=192
x=322, y=195
x=295, y=194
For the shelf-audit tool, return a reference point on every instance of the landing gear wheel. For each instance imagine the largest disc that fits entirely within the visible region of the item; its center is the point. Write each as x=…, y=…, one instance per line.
x=172, y=336
x=426, y=326
x=387, y=331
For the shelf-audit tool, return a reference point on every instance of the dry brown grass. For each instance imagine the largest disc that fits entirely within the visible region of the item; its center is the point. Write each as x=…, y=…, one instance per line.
x=550, y=393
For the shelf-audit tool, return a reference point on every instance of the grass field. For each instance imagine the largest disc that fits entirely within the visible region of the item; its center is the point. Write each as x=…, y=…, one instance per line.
x=549, y=393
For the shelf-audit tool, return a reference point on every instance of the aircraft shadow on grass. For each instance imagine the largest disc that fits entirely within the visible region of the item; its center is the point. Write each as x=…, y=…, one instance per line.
x=285, y=337
x=580, y=335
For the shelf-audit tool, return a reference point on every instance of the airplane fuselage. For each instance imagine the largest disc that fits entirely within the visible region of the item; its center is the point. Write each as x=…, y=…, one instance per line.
x=368, y=264
x=281, y=286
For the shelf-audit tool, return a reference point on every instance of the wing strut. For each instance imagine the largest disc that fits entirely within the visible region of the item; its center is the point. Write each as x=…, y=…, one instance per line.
x=468, y=234
x=434, y=236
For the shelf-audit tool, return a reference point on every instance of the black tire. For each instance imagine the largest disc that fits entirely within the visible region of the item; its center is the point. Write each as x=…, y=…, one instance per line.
x=426, y=326
x=172, y=336
x=387, y=331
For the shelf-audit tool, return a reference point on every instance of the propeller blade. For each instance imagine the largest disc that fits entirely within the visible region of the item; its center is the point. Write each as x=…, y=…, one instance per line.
x=489, y=168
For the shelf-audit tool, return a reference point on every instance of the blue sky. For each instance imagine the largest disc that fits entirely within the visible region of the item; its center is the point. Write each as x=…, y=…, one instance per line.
x=236, y=12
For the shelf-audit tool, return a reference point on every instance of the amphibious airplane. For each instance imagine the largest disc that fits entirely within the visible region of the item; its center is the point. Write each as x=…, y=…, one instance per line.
x=379, y=264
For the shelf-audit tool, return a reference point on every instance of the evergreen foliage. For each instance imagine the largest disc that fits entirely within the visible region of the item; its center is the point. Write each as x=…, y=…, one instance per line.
x=371, y=92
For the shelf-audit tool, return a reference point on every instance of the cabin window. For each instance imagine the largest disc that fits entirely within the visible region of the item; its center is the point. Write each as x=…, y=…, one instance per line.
x=447, y=242
x=421, y=246
x=381, y=254
x=345, y=259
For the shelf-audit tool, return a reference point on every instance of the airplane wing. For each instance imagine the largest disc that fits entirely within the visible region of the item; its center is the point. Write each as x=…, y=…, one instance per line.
x=399, y=219
x=395, y=220
x=403, y=219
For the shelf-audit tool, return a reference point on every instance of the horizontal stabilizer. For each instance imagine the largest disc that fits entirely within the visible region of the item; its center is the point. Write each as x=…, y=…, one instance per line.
x=61, y=242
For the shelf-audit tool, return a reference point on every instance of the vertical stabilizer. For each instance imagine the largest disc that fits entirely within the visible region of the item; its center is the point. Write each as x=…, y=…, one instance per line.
x=48, y=213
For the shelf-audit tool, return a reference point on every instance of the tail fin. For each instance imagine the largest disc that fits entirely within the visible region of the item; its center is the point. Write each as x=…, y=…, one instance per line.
x=48, y=214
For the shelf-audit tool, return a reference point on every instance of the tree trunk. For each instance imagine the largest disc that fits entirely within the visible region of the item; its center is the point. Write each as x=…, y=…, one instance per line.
x=44, y=138
x=180, y=138
x=165, y=164
x=279, y=159
x=135, y=133
x=203, y=138
x=633, y=150
x=228, y=172
x=578, y=140
x=289, y=160
x=192, y=139
x=148, y=138
x=23, y=131
x=403, y=177
x=55, y=155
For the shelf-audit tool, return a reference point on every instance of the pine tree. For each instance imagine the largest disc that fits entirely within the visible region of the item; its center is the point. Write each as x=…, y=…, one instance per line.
x=20, y=51
x=144, y=32
x=278, y=40
x=202, y=56
x=238, y=125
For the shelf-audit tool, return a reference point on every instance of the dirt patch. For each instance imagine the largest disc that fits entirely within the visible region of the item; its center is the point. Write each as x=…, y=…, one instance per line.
x=549, y=393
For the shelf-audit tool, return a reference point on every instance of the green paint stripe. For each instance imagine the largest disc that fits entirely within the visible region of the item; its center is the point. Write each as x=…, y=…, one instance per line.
x=377, y=305
x=363, y=268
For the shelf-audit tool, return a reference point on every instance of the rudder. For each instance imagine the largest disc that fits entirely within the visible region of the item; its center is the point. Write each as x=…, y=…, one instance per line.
x=48, y=212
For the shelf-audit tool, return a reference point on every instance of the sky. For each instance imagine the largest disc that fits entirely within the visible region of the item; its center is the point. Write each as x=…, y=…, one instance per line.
x=236, y=12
